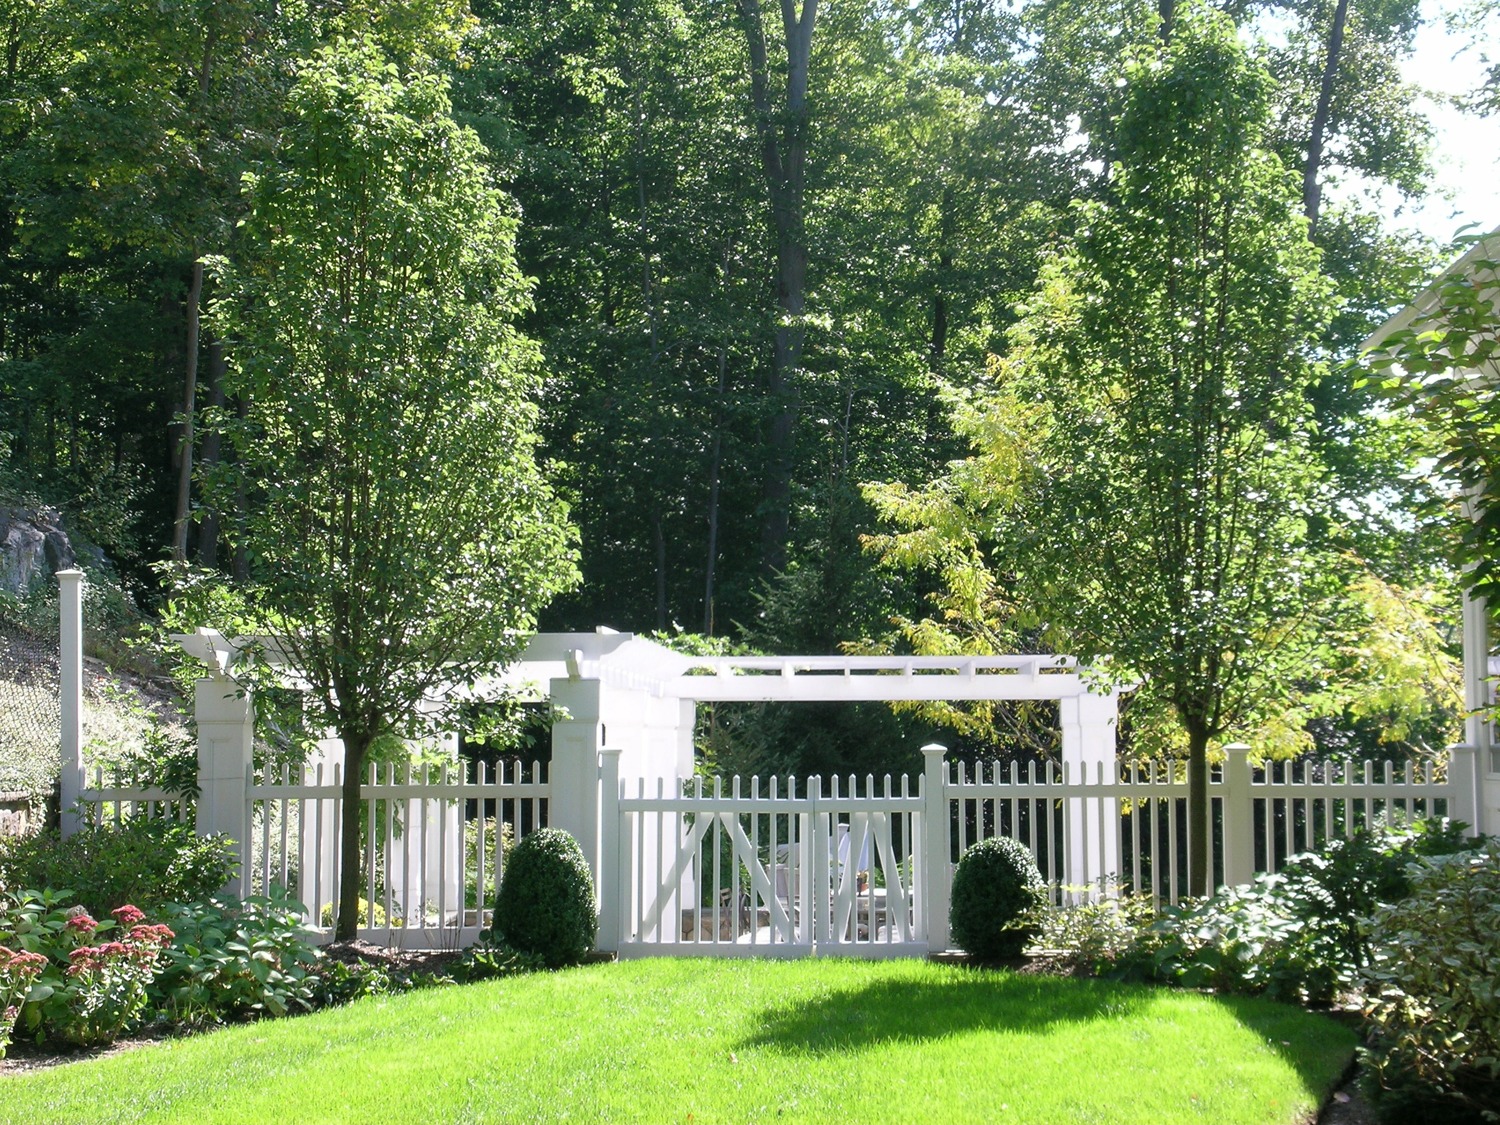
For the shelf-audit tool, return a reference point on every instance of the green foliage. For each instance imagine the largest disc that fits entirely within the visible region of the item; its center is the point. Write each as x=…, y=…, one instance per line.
x=405, y=537
x=1441, y=367
x=1434, y=986
x=1303, y=934
x=89, y=990
x=143, y=862
x=996, y=890
x=490, y=958
x=1107, y=937
x=546, y=905
x=236, y=959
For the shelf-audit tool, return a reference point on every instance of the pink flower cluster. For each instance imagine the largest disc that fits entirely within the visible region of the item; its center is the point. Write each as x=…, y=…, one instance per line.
x=140, y=946
x=18, y=969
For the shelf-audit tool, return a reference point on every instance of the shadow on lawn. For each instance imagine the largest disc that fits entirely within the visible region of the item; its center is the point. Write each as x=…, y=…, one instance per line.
x=904, y=1010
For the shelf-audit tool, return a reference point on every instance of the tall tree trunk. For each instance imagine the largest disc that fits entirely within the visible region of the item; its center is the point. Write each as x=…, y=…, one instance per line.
x=181, y=515
x=783, y=144
x=212, y=525
x=1166, y=12
x=1200, y=824
x=350, y=868
x=715, y=467
x=1312, y=190
x=659, y=545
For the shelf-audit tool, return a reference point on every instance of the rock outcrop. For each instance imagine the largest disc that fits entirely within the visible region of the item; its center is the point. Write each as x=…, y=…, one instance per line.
x=32, y=544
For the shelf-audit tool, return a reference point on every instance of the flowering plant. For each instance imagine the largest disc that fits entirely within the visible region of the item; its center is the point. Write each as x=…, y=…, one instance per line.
x=18, y=970
x=105, y=985
x=90, y=979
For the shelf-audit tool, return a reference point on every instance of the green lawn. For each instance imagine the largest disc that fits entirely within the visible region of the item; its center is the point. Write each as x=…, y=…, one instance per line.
x=894, y=1042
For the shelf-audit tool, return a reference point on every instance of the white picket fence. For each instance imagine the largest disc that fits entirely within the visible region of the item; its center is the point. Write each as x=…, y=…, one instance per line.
x=788, y=867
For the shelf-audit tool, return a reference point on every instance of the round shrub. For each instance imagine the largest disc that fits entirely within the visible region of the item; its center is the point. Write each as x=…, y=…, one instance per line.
x=546, y=904
x=995, y=891
x=146, y=863
x=1433, y=1014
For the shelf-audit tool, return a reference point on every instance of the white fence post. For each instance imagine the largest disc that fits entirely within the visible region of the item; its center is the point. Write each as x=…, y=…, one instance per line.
x=225, y=715
x=613, y=863
x=1239, y=816
x=936, y=873
x=1463, y=776
x=577, y=738
x=70, y=685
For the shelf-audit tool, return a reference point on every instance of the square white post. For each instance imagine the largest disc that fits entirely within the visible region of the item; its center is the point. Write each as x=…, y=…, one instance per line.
x=936, y=866
x=613, y=888
x=1092, y=845
x=1239, y=818
x=225, y=715
x=577, y=738
x=70, y=685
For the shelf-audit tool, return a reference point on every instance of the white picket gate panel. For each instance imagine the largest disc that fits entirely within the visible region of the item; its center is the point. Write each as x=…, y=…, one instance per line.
x=435, y=867
x=770, y=872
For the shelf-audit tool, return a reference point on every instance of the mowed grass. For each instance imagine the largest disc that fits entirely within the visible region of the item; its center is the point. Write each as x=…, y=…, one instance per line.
x=730, y=1041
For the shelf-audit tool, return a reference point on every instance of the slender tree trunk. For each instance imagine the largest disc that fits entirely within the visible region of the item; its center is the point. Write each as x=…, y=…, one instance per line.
x=659, y=546
x=1200, y=824
x=240, y=565
x=212, y=525
x=783, y=141
x=190, y=391
x=1312, y=190
x=350, y=869
x=715, y=467
x=1166, y=12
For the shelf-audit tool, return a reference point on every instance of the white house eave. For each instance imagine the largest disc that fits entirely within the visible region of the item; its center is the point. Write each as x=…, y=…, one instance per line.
x=1487, y=248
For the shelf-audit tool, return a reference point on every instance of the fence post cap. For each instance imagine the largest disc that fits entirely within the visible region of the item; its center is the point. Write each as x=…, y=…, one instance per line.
x=934, y=748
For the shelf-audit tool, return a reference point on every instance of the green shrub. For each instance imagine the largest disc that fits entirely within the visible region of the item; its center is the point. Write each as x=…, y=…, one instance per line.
x=94, y=975
x=489, y=958
x=1300, y=935
x=144, y=862
x=546, y=904
x=236, y=959
x=1112, y=937
x=996, y=891
x=1433, y=1014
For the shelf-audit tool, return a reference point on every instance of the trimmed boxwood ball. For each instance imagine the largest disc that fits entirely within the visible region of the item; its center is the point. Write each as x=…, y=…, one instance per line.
x=997, y=882
x=546, y=904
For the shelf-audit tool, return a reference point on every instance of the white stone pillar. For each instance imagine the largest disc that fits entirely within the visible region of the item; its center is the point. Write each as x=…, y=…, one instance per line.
x=936, y=867
x=577, y=738
x=1239, y=816
x=318, y=828
x=1092, y=844
x=70, y=688
x=614, y=888
x=1477, y=691
x=225, y=716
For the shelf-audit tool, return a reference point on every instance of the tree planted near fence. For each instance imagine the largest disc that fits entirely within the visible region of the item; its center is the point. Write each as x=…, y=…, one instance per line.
x=1142, y=476
x=400, y=531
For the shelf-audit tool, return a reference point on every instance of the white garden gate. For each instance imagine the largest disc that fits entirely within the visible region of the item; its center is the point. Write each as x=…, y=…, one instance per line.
x=779, y=870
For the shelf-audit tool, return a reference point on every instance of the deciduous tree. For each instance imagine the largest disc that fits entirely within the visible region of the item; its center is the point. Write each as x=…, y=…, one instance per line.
x=402, y=529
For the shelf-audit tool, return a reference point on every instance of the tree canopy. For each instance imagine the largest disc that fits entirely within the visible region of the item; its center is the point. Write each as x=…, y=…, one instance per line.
x=403, y=536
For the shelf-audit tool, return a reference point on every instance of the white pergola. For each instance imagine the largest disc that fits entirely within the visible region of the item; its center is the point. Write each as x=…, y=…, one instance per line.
x=627, y=693
x=640, y=697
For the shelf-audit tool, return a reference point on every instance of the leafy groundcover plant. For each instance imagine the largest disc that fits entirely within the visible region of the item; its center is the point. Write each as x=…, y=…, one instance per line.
x=90, y=978
x=18, y=971
x=1433, y=1014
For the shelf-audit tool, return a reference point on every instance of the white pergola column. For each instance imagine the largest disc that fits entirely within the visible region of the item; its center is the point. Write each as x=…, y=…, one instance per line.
x=70, y=697
x=1088, y=724
x=225, y=715
x=577, y=738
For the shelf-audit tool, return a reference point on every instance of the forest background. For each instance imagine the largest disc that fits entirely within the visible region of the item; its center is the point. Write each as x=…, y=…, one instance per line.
x=772, y=249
